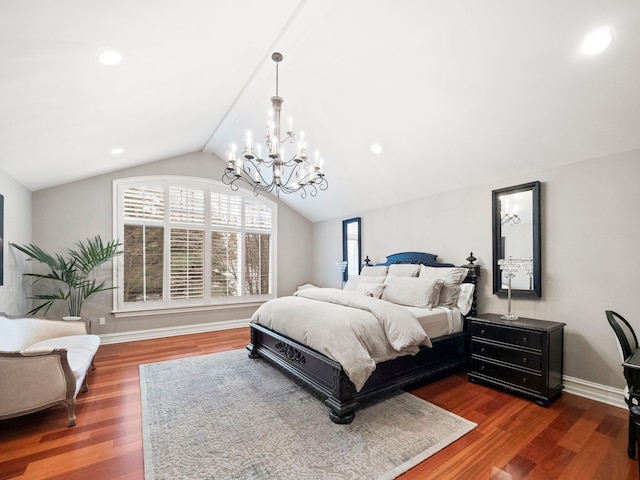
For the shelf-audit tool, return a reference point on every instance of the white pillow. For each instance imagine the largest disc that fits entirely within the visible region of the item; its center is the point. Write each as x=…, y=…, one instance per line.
x=404, y=269
x=352, y=282
x=452, y=276
x=376, y=271
x=355, y=280
x=370, y=289
x=412, y=291
x=372, y=279
x=465, y=297
x=448, y=274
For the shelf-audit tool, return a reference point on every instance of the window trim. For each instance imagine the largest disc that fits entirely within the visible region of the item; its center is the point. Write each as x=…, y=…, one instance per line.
x=128, y=309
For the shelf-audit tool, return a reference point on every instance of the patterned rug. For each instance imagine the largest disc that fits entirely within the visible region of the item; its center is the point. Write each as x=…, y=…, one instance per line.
x=226, y=416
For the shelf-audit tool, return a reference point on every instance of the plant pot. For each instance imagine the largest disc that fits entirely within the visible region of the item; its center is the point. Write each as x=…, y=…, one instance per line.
x=71, y=319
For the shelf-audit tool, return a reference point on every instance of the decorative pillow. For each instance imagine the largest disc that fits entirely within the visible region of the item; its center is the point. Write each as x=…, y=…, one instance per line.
x=465, y=298
x=412, y=291
x=372, y=279
x=404, y=269
x=370, y=289
x=448, y=274
x=448, y=295
x=452, y=276
x=352, y=282
x=375, y=271
x=304, y=286
x=355, y=280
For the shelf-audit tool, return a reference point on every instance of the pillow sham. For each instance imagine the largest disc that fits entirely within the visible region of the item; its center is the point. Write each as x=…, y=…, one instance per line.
x=352, y=282
x=448, y=295
x=355, y=280
x=412, y=291
x=452, y=276
x=404, y=269
x=374, y=271
x=370, y=289
x=448, y=274
x=465, y=297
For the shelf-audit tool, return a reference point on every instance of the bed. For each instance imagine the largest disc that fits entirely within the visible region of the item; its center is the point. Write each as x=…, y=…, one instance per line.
x=445, y=349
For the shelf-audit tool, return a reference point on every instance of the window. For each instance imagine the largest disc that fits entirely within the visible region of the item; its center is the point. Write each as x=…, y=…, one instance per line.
x=191, y=242
x=351, y=247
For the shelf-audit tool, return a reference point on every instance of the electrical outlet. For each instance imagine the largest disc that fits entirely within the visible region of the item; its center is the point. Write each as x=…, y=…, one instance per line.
x=102, y=321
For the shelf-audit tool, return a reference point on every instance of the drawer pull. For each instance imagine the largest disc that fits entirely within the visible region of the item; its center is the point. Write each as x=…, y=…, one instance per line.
x=482, y=368
x=524, y=359
x=524, y=380
x=482, y=350
x=525, y=339
x=482, y=332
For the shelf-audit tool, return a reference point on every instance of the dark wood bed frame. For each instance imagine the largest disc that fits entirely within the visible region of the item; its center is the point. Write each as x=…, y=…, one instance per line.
x=327, y=379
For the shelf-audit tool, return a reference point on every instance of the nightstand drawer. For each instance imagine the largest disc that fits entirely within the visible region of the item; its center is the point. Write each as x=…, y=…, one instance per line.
x=513, y=336
x=520, y=358
x=513, y=376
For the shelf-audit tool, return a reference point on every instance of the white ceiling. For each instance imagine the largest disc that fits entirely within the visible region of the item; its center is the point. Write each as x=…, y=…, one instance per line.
x=456, y=92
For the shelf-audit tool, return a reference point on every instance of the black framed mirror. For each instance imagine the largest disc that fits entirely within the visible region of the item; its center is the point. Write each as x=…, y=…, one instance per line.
x=351, y=247
x=516, y=234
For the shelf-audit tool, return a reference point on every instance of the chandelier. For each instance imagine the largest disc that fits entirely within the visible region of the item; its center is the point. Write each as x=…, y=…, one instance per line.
x=511, y=218
x=509, y=215
x=274, y=172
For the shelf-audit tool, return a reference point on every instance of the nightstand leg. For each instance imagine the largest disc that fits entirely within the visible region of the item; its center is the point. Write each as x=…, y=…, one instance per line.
x=634, y=432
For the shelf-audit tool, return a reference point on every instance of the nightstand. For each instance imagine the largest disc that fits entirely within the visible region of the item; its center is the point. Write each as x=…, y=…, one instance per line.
x=523, y=355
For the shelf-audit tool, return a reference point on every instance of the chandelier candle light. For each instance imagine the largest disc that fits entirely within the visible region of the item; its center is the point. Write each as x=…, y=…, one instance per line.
x=276, y=173
x=511, y=266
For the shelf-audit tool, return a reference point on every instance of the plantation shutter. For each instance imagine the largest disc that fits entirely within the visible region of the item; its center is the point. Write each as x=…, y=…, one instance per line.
x=226, y=221
x=192, y=242
x=257, y=216
x=144, y=203
x=257, y=278
x=226, y=210
x=186, y=216
x=143, y=215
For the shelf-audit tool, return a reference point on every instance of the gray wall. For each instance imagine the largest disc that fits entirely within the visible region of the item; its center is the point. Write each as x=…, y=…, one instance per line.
x=590, y=231
x=65, y=214
x=590, y=261
x=17, y=229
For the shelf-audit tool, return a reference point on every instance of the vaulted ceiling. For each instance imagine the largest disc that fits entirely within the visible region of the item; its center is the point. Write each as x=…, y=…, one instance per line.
x=456, y=92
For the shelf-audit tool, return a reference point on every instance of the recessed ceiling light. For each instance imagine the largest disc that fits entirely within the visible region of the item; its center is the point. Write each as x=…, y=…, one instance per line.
x=110, y=58
x=597, y=41
x=377, y=149
x=117, y=151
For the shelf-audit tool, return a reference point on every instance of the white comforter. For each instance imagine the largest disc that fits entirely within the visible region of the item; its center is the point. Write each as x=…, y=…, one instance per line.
x=354, y=330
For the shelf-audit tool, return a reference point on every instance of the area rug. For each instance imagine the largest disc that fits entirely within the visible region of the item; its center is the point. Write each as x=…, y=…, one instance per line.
x=226, y=416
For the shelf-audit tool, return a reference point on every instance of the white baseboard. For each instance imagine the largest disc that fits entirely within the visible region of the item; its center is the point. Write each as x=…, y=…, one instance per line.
x=576, y=386
x=594, y=391
x=108, y=338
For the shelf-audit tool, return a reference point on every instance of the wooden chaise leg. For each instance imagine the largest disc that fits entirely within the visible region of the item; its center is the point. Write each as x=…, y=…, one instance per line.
x=71, y=411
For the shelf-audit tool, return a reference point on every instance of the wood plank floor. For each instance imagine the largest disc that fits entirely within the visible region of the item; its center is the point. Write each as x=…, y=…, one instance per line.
x=515, y=439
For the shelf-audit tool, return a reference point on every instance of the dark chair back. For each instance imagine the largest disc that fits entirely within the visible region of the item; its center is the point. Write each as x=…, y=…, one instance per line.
x=627, y=339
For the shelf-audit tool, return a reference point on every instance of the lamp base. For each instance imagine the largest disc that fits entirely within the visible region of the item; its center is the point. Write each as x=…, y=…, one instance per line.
x=509, y=316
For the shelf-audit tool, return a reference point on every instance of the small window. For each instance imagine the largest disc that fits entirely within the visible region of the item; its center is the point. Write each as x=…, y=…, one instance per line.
x=351, y=247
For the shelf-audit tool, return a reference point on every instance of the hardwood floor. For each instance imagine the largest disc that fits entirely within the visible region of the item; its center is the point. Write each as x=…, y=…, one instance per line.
x=515, y=439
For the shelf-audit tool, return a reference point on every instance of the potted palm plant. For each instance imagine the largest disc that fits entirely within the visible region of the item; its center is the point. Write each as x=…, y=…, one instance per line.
x=73, y=274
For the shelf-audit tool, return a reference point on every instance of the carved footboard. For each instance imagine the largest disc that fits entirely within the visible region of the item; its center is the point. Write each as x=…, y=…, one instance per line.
x=328, y=381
